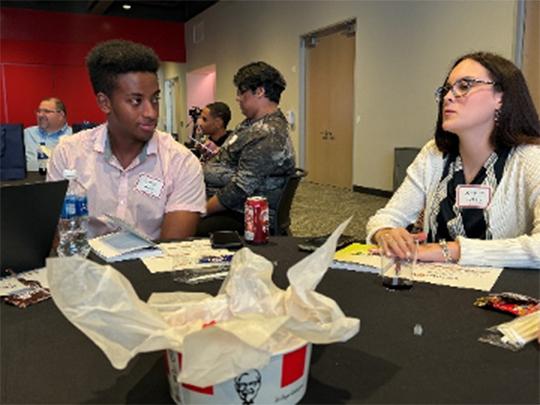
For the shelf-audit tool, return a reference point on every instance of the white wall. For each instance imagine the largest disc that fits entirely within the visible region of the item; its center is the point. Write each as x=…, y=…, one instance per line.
x=171, y=70
x=201, y=88
x=403, y=51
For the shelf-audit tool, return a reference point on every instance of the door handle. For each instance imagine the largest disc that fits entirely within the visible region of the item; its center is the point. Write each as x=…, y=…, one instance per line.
x=331, y=135
x=324, y=134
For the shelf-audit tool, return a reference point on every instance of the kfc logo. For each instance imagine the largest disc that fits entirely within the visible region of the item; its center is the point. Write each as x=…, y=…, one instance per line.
x=247, y=386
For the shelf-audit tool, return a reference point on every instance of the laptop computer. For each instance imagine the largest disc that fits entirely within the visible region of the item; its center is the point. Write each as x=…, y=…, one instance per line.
x=29, y=215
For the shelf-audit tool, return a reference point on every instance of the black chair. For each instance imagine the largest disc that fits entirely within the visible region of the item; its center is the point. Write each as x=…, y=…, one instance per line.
x=12, y=153
x=82, y=126
x=282, y=221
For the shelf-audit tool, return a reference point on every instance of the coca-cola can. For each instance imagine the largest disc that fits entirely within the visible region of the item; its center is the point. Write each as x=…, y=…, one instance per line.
x=256, y=221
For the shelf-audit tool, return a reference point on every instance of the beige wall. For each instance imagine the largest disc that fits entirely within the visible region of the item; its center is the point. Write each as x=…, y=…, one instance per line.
x=172, y=70
x=531, y=49
x=403, y=51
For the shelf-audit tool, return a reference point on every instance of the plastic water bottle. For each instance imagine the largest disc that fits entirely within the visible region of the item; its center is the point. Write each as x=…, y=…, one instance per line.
x=42, y=158
x=73, y=224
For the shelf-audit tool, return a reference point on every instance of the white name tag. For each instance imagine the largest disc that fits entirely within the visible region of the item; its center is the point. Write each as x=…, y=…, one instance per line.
x=473, y=196
x=149, y=186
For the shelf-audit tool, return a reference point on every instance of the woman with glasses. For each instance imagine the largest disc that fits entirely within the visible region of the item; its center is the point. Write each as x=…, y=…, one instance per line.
x=477, y=184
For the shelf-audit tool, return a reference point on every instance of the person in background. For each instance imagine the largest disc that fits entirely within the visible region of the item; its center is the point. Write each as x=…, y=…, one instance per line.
x=478, y=180
x=51, y=126
x=257, y=158
x=213, y=124
x=130, y=169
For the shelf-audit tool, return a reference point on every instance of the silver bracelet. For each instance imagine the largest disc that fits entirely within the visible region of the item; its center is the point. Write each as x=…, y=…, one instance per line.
x=445, y=251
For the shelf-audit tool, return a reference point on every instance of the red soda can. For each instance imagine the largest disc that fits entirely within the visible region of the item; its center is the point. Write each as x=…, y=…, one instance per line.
x=256, y=220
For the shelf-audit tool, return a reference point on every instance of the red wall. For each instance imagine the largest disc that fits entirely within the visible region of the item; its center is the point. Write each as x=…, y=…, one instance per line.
x=42, y=55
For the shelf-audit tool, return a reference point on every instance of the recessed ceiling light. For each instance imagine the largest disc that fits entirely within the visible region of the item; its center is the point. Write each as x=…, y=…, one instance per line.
x=126, y=6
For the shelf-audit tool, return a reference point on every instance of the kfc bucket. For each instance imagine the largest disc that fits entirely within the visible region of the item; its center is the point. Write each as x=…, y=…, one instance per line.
x=282, y=381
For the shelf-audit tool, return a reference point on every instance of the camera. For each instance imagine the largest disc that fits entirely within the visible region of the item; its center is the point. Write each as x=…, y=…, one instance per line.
x=194, y=112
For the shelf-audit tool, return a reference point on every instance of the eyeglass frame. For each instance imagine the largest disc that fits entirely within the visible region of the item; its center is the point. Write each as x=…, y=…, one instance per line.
x=469, y=80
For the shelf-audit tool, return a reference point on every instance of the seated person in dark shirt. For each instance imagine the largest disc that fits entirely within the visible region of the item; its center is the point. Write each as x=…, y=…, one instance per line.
x=212, y=124
x=256, y=159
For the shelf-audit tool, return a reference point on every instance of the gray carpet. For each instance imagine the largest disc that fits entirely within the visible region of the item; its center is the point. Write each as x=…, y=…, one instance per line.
x=318, y=209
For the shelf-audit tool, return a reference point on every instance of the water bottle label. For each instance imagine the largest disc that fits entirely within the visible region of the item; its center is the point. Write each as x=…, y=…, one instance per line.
x=69, y=209
x=82, y=206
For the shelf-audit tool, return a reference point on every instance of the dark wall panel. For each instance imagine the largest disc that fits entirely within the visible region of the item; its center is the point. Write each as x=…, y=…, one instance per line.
x=3, y=100
x=166, y=38
x=26, y=85
x=43, y=54
x=72, y=85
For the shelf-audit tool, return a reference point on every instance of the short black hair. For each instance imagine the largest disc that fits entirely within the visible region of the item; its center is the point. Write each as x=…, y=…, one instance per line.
x=111, y=58
x=518, y=119
x=260, y=74
x=220, y=110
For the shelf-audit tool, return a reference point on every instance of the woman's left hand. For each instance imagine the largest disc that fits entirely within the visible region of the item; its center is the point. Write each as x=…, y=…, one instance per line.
x=432, y=252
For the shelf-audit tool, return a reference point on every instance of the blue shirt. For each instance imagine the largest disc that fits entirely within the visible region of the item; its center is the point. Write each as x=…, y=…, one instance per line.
x=33, y=136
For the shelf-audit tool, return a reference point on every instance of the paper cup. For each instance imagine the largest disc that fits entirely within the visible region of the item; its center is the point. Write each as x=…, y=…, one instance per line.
x=282, y=381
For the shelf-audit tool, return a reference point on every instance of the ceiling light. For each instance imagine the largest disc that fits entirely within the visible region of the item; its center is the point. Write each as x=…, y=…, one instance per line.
x=126, y=6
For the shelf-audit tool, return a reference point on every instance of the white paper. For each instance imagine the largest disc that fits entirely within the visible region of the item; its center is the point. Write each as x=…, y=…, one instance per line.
x=454, y=275
x=220, y=337
x=449, y=274
x=184, y=255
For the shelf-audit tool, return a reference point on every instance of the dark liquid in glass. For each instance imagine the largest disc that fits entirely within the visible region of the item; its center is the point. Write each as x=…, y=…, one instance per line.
x=397, y=283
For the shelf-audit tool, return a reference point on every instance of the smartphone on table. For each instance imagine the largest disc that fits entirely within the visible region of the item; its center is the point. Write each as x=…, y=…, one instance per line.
x=226, y=240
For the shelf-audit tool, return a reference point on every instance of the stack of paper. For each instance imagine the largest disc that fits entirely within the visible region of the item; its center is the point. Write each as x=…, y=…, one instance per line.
x=356, y=257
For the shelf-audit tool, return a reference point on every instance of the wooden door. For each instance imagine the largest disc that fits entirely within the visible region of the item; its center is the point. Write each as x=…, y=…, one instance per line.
x=329, y=107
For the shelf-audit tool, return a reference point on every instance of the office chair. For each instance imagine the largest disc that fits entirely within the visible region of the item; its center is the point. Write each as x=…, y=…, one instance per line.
x=12, y=153
x=78, y=127
x=282, y=220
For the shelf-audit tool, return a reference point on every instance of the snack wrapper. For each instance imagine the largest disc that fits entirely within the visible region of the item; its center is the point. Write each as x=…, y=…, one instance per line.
x=513, y=303
x=219, y=337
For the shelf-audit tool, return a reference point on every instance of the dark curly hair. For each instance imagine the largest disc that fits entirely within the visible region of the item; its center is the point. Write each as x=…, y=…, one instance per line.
x=109, y=59
x=518, y=120
x=260, y=74
x=220, y=110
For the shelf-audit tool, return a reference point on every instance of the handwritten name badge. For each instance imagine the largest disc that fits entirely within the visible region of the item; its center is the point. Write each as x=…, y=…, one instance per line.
x=477, y=196
x=149, y=186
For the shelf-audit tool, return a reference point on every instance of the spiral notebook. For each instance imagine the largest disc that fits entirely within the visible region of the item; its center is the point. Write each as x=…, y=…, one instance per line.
x=126, y=244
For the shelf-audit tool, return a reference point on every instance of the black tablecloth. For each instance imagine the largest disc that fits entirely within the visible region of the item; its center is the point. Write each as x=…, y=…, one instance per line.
x=45, y=359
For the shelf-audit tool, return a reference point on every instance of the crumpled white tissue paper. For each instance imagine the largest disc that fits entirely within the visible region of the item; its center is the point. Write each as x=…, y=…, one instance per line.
x=219, y=337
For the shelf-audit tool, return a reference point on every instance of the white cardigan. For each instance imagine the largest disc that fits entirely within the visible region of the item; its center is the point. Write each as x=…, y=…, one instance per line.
x=514, y=213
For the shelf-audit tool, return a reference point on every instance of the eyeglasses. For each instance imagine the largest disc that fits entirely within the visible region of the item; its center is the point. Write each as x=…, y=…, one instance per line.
x=46, y=111
x=460, y=88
